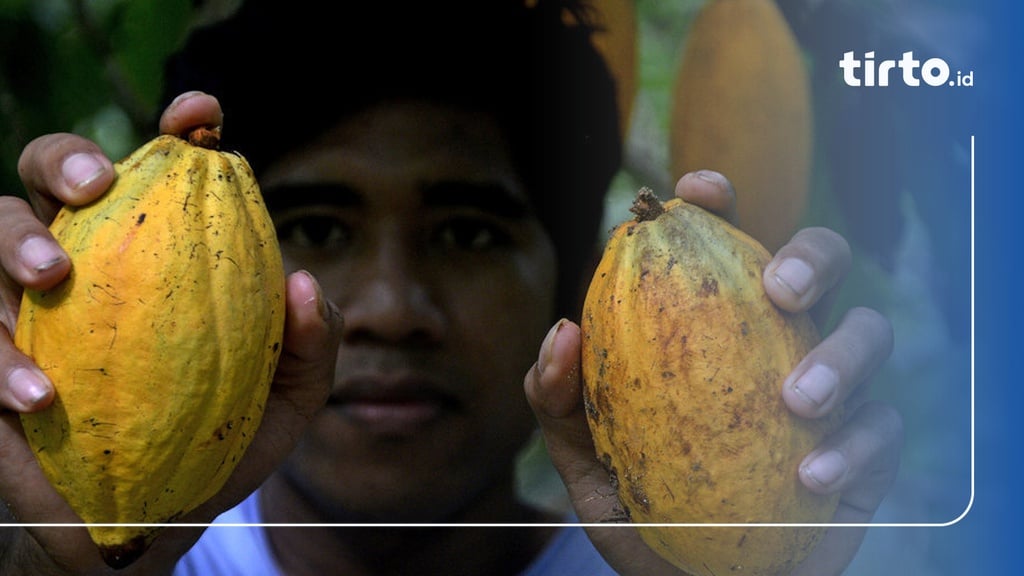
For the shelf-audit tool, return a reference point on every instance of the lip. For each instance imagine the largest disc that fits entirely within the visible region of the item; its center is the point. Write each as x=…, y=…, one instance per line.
x=392, y=404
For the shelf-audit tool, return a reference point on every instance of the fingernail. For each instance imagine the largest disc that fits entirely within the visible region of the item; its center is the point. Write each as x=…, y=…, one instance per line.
x=28, y=386
x=795, y=275
x=548, y=346
x=318, y=296
x=827, y=469
x=185, y=96
x=81, y=169
x=708, y=176
x=817, y=385
x=40, y=254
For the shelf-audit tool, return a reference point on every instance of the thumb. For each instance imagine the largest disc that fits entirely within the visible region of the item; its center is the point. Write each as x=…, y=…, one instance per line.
x=312, y=334
x=554, y=390
x=301, y=384
x=189, y=110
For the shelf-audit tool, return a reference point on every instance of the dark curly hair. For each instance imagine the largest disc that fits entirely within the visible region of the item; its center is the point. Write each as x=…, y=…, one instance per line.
x=529, y=64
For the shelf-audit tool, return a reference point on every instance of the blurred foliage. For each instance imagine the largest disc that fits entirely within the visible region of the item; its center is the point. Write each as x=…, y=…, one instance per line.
x=93, y=67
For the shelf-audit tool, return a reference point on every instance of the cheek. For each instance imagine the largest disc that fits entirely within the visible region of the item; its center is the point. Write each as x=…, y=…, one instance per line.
x=505, y=315
x=500, y=327
x=513, y=286
x=522, y=303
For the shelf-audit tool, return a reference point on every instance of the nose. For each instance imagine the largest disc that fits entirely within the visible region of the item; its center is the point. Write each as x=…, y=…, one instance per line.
x=391, y=299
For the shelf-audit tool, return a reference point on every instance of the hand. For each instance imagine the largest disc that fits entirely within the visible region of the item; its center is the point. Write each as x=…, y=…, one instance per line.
x=859, y=461
x=63, y=168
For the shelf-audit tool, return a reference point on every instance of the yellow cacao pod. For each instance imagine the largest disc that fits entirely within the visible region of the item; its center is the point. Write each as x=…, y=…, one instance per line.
x=161, y=343
x=684, y=356
x=741, y=105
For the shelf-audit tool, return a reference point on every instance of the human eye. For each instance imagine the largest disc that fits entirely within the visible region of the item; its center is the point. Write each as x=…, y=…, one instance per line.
x=312, y=228
x=470, y=234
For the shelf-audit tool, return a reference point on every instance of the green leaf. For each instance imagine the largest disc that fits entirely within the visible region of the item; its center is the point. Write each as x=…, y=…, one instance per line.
x=143, y=36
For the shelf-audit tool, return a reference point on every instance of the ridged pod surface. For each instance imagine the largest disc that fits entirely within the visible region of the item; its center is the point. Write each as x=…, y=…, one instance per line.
x=161, y=343
x=684, y=356
x=741, y=105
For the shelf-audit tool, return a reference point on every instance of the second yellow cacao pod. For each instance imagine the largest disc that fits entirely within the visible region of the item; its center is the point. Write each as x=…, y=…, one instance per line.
x=741, y=105
x=684, y=356
x=161, y=343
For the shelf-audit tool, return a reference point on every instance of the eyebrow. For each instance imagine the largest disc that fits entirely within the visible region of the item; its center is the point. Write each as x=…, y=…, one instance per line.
x=490, y=197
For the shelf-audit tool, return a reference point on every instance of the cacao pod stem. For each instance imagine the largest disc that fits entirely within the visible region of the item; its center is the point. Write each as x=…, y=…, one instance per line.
x=646, y=205
x=205, y=137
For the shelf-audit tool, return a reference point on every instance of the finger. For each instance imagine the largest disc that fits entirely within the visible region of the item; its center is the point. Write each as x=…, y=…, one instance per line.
x=61, y=169
x=23, y=386
x=553, y=388
x=312, y=330
x=861, y=462
x=305, y=371
x=301, y=384
x=190, y=110
x=840, y=365
x=807, y=269
x=709, y=190
x=300, y=388
x=28, y=253
x=30, y=257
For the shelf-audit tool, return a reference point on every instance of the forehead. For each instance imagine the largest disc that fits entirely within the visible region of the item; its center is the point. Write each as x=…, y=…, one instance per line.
x=396, y=143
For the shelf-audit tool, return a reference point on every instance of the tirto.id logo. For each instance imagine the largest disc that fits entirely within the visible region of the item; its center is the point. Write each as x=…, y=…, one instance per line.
x=912, y=72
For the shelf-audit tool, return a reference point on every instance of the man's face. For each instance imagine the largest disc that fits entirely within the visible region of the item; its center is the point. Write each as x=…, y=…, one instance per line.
x=417, y=226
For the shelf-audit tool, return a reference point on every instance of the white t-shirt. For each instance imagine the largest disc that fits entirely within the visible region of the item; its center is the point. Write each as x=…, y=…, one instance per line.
x=245, y=551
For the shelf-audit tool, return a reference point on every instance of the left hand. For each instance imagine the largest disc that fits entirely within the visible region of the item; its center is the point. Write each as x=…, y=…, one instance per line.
x=859, y=461
x=300, y=387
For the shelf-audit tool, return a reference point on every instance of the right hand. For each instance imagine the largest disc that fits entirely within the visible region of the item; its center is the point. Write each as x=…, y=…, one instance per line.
x=64, y=168
x=869, y=441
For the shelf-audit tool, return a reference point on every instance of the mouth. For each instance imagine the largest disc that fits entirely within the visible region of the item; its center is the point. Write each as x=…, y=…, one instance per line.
x=391, y=405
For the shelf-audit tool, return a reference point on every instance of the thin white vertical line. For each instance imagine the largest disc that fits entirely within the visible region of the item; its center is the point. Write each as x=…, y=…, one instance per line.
x=971, y=502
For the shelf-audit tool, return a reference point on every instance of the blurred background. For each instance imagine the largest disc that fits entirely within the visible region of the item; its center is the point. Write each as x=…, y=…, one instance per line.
x=888, y=167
